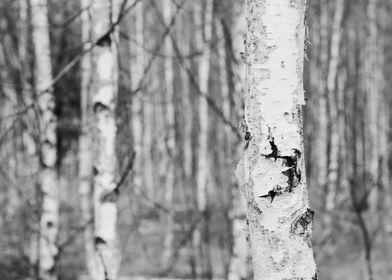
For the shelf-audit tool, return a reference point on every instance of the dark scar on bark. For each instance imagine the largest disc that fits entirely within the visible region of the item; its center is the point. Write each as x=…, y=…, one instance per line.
x=293, y=173
x=271, y=193
x=99, y=106
x=99, y=241
x=300, y=225
x=105, y=40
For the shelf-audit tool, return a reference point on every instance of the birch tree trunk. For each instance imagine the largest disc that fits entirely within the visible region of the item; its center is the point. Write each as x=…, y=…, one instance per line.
x=332, y=173
x=49, y=219
x=322, y=143
x=136, y=73
x=203, y=177
x=170, y=133
x=105, y=162
x=85, y=143
x=238, y=264
x=272, y=171
x=373, y=69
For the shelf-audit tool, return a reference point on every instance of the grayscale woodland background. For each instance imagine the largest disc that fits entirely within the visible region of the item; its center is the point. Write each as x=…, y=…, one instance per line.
x=177, y=121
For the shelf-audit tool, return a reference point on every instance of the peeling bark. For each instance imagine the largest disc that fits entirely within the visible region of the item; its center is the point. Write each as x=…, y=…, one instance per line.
x=104, y=86
x=272, y=171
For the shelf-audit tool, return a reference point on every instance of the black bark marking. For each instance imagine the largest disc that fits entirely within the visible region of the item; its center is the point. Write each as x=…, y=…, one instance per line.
x=95, y=171
x=272, y=194
x=293, y=173
x=247, y=136
x=110, y=197
x=274, y=149
x=300, y=225
x=99, y=106
x=99, y=241
x=105, y=40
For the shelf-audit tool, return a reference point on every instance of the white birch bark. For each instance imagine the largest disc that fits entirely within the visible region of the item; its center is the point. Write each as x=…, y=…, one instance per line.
x=85, y=144
x=272, y=171
x=104, y=161
x=170, y=133
x=372, y=72
x=332, y=174
x=322, y=143
x=49, y=219
x=203, y=177
x=136, y=72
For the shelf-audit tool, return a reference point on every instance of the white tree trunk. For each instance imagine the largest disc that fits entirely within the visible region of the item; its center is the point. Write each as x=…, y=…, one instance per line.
x=322, y=143
x=49, y=220
x=105, y=161
x=85, y=144
x=373, y=70
x=203, y=35
x=136, y=72
x=170, y=133
x=272, y=171
x=332, y=174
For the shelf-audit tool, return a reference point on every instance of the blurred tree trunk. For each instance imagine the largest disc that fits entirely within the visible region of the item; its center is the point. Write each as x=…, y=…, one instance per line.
x=372, y=70
x=322, y=54
x=49, y=219
x=272, y=172
x=85, y=144
x=136, y=73
x=170, y=133
x=203, y=37
x=333, y=163
x=104, y=86
x=238, y=263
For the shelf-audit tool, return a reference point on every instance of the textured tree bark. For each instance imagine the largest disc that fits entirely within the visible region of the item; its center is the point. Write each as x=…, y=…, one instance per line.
x=85, y=144
x=104, y=86
x=49, y=219
x=170, y=133
x=272, y=171
x=203, y=177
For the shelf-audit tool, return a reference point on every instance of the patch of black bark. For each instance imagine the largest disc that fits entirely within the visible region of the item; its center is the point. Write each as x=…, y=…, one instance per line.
x=293, y=173
x=105, y=40
x=99, y=241
x=99, y=106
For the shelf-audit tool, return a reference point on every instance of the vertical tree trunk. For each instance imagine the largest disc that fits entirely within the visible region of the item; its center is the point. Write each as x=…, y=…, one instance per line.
x=104, y=86
x=322, y=143
x=272, y=171
x=373, y=69
x=85, y=143
x=332, y=173
x=49, y=219
x=238, y=265
x=203, y=35
x=136, y=72
x=170, y=133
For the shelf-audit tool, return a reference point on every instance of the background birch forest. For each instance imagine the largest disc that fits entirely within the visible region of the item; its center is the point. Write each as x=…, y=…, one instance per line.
x=176, y=73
